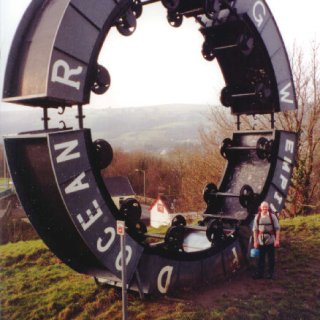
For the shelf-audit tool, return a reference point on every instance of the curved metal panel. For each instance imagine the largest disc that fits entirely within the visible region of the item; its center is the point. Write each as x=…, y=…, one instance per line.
x=56, y=176
x=261, y=16
x=29, y=163
x=269, y=179
x=13, y=73
x=252, y=56
x=88, y=203
x=95, y=11
x=243, y=167
x=281, y=175
x=59, y=52
x=35, y=48
x=161, y=275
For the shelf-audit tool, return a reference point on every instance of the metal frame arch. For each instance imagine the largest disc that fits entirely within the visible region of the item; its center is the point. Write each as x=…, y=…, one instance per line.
x=57, y=62
x=60, y=47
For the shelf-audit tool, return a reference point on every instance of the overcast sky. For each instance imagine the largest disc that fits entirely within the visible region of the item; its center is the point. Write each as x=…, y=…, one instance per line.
x=159, y=64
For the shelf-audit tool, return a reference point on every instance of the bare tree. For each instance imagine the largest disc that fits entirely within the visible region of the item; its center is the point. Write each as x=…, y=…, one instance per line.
x=187, y=169
x=304, y=194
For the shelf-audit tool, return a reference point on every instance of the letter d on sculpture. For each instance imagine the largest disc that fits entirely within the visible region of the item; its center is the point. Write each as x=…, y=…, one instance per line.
x=163, y=286
x=61, y=72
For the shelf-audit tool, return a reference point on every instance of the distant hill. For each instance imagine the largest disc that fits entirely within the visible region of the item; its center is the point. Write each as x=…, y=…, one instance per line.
x=150, y=128
x=154, y=128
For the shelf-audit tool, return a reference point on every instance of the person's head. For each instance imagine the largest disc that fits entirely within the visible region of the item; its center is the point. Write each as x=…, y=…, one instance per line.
x=264, y=206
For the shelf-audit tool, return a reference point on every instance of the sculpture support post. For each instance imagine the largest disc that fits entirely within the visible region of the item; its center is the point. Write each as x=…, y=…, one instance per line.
x=121, y=232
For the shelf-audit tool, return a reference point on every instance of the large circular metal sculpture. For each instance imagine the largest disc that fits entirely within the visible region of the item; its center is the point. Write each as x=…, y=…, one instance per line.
x=53, y=63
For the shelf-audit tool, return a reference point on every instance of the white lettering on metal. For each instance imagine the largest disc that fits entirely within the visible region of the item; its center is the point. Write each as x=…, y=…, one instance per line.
x=278, y=197
x=285, y=94
x=91, y=217
x=77, y=185
x=128, y=258
x=163, y=284
x=104, y=247
x=61, y=72
x=289, y=146
x=284, y=182
x=259, y=12
x=289, y=160
x=286, y=166
x=67, y=148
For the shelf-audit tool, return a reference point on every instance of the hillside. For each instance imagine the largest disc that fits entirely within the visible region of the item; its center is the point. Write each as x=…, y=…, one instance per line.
x=35, y=285
x=154, y=128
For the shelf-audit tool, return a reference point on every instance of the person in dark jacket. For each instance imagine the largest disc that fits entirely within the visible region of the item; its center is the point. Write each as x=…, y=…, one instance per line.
x=266, y=237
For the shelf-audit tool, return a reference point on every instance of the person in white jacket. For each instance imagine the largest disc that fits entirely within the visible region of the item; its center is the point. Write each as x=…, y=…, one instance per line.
x=266, y=237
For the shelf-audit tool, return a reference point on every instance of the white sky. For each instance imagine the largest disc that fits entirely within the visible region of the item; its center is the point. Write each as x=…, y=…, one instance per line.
x=160, y=64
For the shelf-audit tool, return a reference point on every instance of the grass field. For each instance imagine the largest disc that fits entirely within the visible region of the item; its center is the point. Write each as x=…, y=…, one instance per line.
x=36, y=285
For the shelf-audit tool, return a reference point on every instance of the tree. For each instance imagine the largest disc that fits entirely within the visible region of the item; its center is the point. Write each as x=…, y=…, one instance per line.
x=160, y=174
x=304, y=194
x=186, y=170
x=194, y=167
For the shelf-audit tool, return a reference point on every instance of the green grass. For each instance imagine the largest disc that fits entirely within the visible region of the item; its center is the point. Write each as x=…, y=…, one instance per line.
x=296, y=292
x=36, y=285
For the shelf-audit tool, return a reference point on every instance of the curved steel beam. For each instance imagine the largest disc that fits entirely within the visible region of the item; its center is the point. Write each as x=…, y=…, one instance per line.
x=53, y=63
x=57, y=44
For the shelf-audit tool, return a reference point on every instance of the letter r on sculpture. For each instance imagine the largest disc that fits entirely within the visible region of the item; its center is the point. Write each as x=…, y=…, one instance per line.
x=61, y=72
